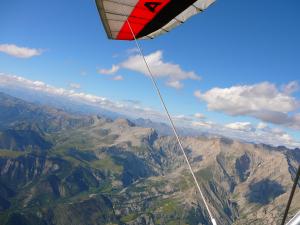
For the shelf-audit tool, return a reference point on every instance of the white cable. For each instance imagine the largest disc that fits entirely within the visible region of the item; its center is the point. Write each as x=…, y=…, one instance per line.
x=172, y=123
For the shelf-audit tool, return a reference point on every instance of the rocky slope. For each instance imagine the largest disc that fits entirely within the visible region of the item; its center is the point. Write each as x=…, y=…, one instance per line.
x=58, y=168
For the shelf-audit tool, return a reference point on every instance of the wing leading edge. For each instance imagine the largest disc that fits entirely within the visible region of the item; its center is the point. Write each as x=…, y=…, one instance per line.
x=148, y=18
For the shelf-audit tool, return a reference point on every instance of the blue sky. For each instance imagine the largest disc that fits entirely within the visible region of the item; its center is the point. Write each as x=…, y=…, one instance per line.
x=232, y=44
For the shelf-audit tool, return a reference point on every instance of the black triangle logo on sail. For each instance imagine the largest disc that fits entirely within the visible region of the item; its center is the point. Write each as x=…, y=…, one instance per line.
x=152, y=5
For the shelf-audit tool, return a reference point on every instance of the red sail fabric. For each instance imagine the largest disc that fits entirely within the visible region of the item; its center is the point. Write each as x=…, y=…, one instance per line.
x=142, y=14
x=147, y=18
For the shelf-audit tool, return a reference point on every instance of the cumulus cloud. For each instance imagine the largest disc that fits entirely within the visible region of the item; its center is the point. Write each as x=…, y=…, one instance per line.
x=246, y=131
x=203, y=124
x=199, y=116
x=189, y=119
x=243, y=126
x=110, y=71
x=160, y=69
x=261, y=126
x=174, y=84
x=39, y=86
x=263, y=101
x=276, y=136
x=260, y=133
x=130, y=108
x=182, y=118
x=19, y=52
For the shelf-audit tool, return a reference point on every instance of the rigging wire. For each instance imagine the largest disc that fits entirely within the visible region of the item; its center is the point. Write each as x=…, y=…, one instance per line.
x=213, y=221
x=291, y=196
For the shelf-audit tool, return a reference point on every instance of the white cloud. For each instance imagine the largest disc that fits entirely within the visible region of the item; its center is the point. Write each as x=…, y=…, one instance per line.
x=160, y=69
x=132, y=109
x=240, y=130
x=240, y=100
x=110, y=71
x=174, y=84
x=261, y=126
x=246, y=131
x=275, y=137
x=199, y=116
x=263, y=101
x=20, y=82
x=74, y=86
x=119, y=77
x=20, y=52
x=203, y=124
x=182, y=118
x=243, y=126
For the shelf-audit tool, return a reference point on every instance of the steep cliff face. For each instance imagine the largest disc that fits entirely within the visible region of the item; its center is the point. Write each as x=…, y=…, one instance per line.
x=113, y=172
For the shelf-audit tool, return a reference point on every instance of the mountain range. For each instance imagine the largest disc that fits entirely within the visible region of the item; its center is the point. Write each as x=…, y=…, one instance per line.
x=77, y=106
x=59, y=167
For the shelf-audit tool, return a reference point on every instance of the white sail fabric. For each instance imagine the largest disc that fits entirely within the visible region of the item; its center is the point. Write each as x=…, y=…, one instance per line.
x=198, y=7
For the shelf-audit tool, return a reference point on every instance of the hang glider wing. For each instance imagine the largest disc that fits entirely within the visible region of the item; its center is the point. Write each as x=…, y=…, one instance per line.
x=148, y=18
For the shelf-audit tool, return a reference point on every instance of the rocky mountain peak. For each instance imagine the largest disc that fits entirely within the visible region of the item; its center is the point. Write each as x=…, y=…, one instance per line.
x=71, y=169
